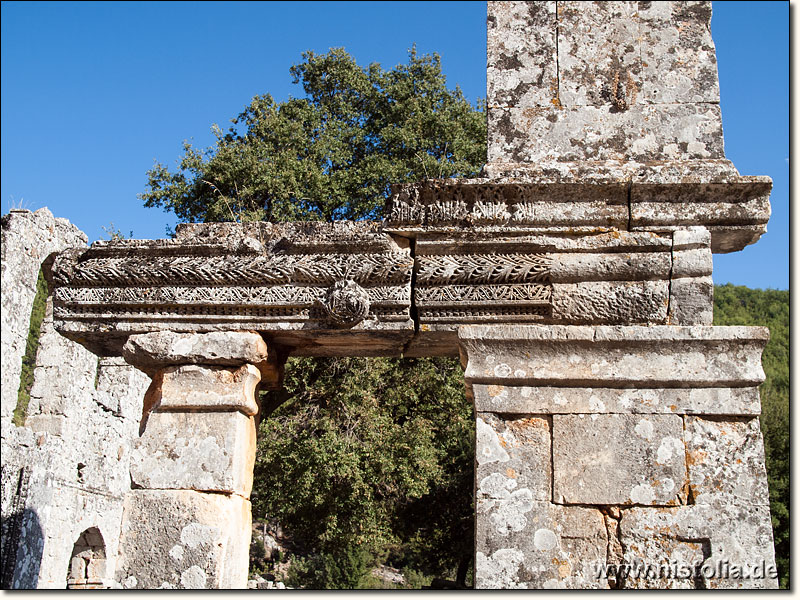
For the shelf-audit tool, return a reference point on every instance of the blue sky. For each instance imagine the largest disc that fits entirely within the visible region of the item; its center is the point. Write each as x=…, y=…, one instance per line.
x=93, y=93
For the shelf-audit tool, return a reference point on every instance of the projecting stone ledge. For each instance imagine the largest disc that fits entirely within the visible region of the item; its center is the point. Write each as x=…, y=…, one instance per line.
x=589, y=197
x=613, y=357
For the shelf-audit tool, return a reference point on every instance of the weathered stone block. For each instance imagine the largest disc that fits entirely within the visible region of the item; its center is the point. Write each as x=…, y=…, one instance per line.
x=596, y=41
x=691, y=301
x=556, y=547
x=642, y=133
x=618, y=459
x=665, y=563
x=184, y=539
x=611, y=303
x=206, y=388
x=726, y=461
x=737, y=536
x=521, y=53
x=619, y=266
x=679, y=63
x=634, y=356
x=162, y=348
x=209, y=451
x=120, y=387
x=521, y=399
x=513, y=463
x=691, y=252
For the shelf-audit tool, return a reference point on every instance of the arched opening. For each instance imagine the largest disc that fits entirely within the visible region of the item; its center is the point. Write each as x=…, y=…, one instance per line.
x=87, y=563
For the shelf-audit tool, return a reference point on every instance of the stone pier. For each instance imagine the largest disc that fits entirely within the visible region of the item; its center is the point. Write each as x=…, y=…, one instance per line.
x=604, y=446
x=186, y=522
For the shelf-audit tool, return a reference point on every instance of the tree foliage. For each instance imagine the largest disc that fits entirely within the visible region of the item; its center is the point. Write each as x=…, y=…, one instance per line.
x=331, y=154
x=371, y=455
x=738, y=305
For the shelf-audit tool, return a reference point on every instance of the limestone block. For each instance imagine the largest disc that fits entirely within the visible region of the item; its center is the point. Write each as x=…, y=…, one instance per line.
x=618, y=459
x=643, y=133
x=674, y=214
x=205, y=388
x=611, y=303
x=206, y=451
x=556, y=547
x=595, y=42
x=691, y=252
x=691, y=300
x=726, y=461
x=513, y=463
x=695, y=237
x=679, y=63
x=666, y=563
x=734, y=208
x=65, y=371
x=48, y=423
x=121, y=387
x=633, y=356
x=521, y=53
x=731, y=535
x=184, y=540
x=521, y=399
x=619, y=266
x=161, y=348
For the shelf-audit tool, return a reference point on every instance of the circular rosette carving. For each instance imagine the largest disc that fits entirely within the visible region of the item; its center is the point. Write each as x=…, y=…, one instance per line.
x=346, y=303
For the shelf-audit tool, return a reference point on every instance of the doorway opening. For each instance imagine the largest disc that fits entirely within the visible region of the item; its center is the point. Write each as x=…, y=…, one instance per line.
x=364, y=476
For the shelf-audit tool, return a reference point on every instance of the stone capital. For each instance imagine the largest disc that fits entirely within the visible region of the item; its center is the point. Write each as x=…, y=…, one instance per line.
x=157, y=350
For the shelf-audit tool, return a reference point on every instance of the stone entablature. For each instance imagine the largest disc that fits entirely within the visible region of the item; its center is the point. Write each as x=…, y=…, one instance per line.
x=315, y=289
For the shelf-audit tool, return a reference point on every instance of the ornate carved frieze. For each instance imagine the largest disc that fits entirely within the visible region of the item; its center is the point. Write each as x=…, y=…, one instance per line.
x=479, y=203
x=312, y=285
x=577, y=279
x=239, y=276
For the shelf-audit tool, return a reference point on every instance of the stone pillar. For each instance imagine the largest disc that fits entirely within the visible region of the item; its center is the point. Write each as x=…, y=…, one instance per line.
x=600, y=446
x=187, y=521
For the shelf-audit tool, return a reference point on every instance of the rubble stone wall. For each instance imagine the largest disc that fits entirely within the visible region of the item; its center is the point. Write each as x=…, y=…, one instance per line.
x=67, y=469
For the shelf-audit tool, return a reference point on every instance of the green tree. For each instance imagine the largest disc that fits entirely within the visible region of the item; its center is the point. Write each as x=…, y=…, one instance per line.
x=370, y=456
x=358, y=459
x=331, y=154
x=738, y=305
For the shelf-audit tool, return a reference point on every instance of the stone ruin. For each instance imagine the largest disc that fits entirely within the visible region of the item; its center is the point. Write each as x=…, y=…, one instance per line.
x=615, y=425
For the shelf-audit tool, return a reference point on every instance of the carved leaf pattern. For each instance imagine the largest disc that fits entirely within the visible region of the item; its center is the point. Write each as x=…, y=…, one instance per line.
x=325, y=269
x=269, y=295
x=484, y=268
x=529, y=294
